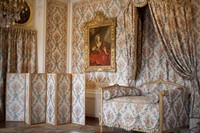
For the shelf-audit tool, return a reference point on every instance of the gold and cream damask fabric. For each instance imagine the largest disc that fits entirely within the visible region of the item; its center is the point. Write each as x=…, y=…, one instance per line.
x=56, y=36
x=173, y=25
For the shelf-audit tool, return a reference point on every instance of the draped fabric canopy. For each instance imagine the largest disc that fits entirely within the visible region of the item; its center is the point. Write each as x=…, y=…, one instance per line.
x=17, y=55
x=173, y=25
x=172, y=20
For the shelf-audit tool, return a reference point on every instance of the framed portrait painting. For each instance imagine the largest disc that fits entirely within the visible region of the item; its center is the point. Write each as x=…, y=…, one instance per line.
x=100, y=43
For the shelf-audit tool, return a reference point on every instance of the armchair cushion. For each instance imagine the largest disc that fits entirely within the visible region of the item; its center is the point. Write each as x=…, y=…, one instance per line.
x=153, y=97
x=119, y=91
x=147, y=99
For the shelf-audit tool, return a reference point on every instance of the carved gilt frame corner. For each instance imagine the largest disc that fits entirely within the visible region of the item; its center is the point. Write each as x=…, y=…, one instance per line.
x=105, y=28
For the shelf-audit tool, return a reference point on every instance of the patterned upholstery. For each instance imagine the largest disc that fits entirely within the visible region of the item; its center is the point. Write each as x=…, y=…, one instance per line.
x=118, y=91
x=130, y=116
x=153, y=97
x=135, y=99
x=142, y=113
x=176, y=108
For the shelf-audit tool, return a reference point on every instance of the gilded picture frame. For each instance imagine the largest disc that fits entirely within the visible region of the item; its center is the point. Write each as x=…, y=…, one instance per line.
x=99, y=42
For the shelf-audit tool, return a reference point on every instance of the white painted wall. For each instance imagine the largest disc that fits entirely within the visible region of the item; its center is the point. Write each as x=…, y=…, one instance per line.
x=93, y=102
x=40, y=25
x=69, y=37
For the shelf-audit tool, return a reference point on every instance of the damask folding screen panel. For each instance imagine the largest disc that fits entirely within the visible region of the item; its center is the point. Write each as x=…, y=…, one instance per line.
x=36, y=98
x=58, y=98
x=15, y=97
x=78, y=99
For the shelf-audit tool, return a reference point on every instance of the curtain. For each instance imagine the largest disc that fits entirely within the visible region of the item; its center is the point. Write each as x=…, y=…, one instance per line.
x=131, y=21
x=172, y=21
x=17, y=55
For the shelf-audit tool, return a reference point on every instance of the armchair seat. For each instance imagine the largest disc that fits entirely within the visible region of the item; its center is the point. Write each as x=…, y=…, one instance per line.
x=133, y=99
x=131, y=115
x=164, y=107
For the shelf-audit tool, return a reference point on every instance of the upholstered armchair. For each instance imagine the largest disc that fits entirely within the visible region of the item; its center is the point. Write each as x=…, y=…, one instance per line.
x=156, y=106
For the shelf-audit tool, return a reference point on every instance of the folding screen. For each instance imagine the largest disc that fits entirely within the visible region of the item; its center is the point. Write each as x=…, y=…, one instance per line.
x=37, y=98
x=58, y=98
x=15, y=98
x=26, y=98
x=64, y=98
x=78, y=99
x=51, y=98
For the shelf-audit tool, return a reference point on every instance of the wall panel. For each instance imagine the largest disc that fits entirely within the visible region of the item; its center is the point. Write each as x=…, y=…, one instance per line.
x=56, y=36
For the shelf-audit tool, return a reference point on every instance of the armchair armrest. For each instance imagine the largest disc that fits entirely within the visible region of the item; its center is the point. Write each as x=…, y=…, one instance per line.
x=174, y=107
x=118, y=91
x=173, y=95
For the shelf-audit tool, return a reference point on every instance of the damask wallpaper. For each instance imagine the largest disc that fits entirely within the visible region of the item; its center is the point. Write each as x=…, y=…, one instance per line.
x=84, y=11
x=56, y=36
